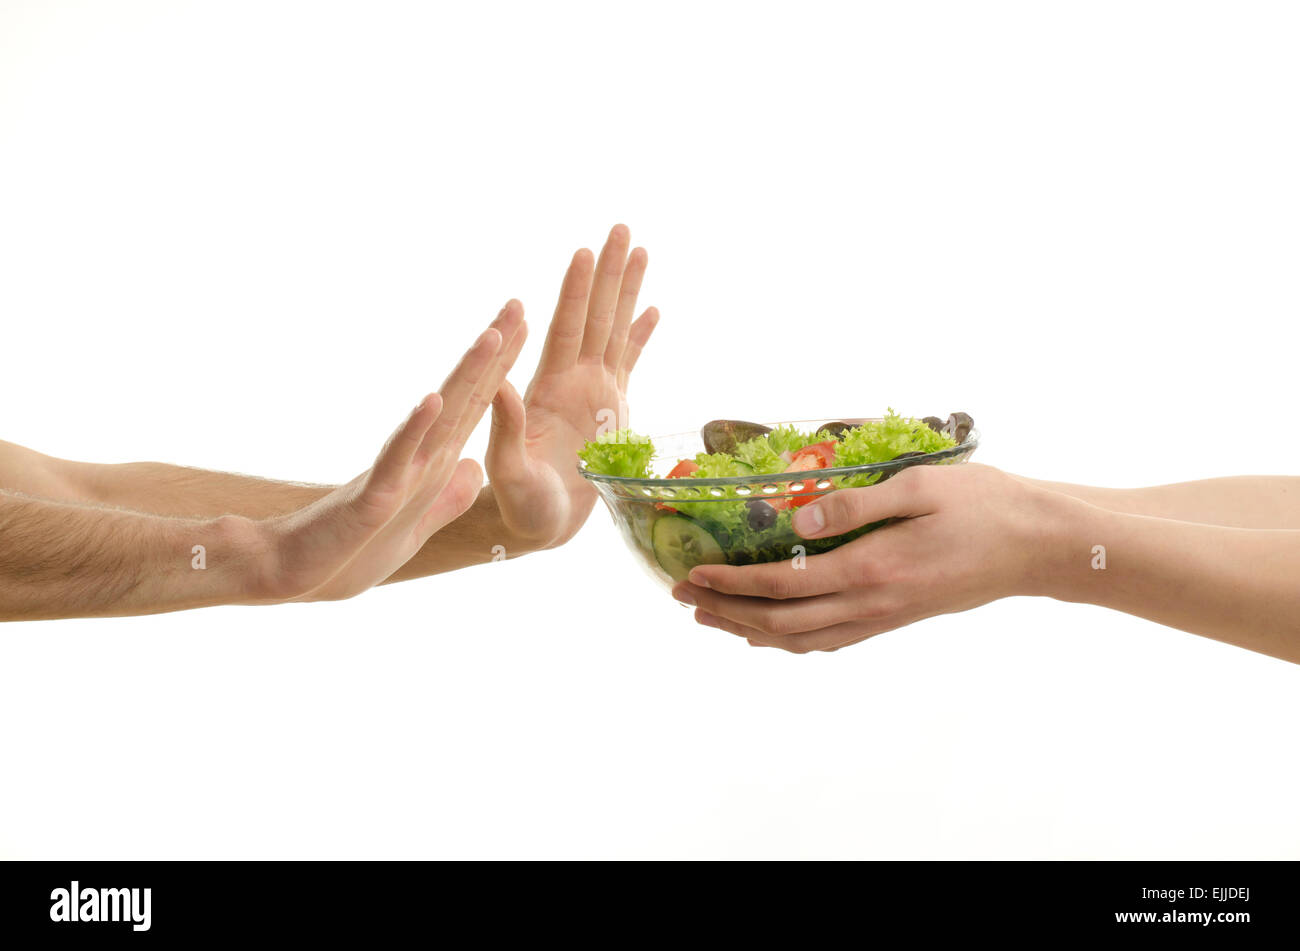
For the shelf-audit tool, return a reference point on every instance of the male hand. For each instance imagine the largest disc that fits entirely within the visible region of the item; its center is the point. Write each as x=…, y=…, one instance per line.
x=581, y=381
x=358, y=535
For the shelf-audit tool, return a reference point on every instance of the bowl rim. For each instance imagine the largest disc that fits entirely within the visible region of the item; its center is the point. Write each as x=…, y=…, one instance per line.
x=967, y=446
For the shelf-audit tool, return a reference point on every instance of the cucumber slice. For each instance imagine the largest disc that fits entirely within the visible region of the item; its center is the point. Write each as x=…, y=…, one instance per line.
x=681, y=543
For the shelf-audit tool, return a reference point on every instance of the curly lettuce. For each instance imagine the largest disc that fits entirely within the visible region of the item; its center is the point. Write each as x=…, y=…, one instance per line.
x=763, y=453
x=890, y=437
x=719, y=465
x=619, y=453
x=759, y=455
x=624, y=453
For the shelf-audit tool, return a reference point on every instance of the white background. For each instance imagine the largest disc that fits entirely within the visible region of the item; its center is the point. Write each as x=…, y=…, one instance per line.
x=248, y=236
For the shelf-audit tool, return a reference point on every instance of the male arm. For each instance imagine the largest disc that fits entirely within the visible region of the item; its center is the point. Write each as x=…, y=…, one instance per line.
x=186, y=493
x=536, y=498
x=59, y=559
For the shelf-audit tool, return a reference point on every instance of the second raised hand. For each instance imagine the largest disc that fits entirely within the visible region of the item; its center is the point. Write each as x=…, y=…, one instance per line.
x=581, y=381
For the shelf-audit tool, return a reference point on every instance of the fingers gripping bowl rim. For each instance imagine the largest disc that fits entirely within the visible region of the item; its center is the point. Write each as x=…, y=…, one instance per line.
x=671, y=525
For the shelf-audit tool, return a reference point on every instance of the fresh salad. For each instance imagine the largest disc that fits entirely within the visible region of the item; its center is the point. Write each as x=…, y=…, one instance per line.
x=726, y=524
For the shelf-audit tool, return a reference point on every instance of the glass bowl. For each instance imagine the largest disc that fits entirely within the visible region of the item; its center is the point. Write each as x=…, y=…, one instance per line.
x=671, y=525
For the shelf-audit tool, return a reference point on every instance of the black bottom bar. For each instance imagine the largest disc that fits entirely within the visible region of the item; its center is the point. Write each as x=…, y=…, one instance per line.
x=1224, y=902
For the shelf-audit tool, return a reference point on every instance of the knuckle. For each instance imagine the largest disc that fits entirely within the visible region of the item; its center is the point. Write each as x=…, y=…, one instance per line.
x=876, y=608
x=776, y=585
x=846, y=509
x=880, y=607
x=915, y=480
x=773, y=621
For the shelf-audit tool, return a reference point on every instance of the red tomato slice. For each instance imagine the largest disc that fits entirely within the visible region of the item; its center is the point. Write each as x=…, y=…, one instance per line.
x=684, y=468
x=821, y=455
x=818, y=455
x=792, y=501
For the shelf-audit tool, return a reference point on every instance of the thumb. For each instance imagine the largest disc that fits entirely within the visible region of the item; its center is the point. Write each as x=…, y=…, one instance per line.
x=454, y=500
x=505, y=452
x=843, y=510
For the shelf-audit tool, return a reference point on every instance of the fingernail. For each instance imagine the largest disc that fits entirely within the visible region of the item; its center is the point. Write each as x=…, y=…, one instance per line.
x=684, y=596
x=705, y=618
x=809, y=520
x=698, y=580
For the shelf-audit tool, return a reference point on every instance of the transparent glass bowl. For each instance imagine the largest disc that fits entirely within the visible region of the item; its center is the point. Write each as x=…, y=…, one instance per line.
x=721, y=508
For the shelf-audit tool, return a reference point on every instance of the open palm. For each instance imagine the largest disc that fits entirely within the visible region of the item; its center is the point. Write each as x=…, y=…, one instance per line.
x=580, y=385
x=359, y=534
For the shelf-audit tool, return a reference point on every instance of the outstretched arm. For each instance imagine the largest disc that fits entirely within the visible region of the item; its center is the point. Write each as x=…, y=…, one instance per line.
x=156, y=488
x=536, y=498
x=970, y=534
x=1248, y=501
x=63, y=560
x=59, y=559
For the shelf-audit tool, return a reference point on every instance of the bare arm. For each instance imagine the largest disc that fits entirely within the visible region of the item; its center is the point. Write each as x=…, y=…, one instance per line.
x=1237, y=585
x=1249, y=501
x=536, y=500
x=63, y=559
x=970, y=534
x=157, y=488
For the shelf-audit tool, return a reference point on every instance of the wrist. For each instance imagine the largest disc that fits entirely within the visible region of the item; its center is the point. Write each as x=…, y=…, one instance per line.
x=250, y=548
x=1066, y=540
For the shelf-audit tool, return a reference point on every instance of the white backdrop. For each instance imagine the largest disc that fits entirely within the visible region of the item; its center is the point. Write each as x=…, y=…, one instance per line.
x=248, y=236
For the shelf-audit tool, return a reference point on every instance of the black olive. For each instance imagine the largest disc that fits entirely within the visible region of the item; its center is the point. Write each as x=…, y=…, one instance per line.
x=759, y=514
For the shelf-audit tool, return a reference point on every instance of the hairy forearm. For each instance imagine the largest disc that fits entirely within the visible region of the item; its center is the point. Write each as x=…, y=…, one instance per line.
x=1235, y=501
x=476, y=537
x=182, y=492
x=1236, y=585
x=61, y=560
x=157, y=488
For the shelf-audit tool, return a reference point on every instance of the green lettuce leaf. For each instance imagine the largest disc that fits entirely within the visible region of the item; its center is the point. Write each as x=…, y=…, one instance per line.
x=718, y=465
x=619, y=453
x=890, y=437
x=764, y=452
